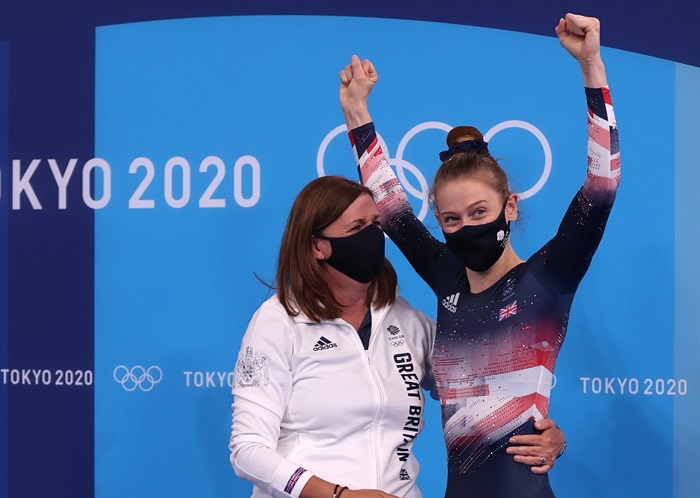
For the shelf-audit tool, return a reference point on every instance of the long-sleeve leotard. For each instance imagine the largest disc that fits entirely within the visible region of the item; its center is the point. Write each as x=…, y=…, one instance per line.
x=495, y=350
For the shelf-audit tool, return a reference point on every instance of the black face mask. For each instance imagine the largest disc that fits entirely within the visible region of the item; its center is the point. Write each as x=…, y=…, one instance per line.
x=360, y=256
x=478, y=247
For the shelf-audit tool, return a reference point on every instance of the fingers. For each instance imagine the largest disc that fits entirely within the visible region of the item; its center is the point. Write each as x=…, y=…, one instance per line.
x=344, y=77
x=366, y=66
x=349, y=72
x=368, y=69
x=528, y=446
x=580, y=25
x=560, y=29
x=363, y=69
x=544, y=423
x=533, y=445
x=534, y=460
x=543, y=469
x=536, y=456
x=525, y=440
x=540, y=464
x=356, y=65
x=573, y=25
x=539, y=451
x=358, y=70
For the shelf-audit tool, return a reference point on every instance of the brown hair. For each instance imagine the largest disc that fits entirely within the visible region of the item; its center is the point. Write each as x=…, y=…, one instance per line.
x=469, y=163
x=301, y=281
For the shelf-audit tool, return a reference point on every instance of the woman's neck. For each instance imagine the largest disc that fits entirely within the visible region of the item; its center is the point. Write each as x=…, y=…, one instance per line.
x=351, y=296
x=353, y=311
x=480, y=281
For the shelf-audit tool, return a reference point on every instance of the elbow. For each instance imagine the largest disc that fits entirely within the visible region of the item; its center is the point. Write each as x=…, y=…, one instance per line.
x=236, y=450
x=242, y=456
x=238, y=471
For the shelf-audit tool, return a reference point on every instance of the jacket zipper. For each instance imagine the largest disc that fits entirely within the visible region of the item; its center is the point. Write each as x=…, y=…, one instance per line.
x=380, y=410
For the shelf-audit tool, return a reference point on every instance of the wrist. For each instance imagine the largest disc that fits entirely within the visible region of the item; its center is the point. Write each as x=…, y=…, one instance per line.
x=356, y=114
x=593, y=72
x=562, y=450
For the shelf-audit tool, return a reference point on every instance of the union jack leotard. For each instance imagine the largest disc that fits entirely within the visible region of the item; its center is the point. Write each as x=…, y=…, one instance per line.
x=495, y=351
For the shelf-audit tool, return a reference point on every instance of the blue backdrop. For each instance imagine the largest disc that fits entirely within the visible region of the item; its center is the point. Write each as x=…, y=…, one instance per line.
x=149, y=155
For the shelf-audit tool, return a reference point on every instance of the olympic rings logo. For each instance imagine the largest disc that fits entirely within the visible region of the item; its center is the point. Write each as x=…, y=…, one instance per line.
x=398, y=343
x=138, y=377
x=401, y=164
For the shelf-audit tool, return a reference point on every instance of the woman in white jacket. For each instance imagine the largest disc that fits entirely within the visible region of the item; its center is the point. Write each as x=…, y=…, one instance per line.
x=327, y=388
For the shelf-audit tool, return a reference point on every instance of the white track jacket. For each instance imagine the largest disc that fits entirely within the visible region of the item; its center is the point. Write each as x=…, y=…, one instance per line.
x=309, y=400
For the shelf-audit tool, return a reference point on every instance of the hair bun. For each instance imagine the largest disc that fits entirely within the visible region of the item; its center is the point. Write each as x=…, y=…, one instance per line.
x=463, y=133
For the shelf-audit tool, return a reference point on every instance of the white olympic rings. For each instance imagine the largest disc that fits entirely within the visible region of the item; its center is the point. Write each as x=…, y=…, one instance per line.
x=401, y=164
x=138, y=377
x=514, y=123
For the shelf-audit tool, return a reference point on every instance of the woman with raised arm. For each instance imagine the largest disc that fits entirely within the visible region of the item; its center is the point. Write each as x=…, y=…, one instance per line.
x=501, y=319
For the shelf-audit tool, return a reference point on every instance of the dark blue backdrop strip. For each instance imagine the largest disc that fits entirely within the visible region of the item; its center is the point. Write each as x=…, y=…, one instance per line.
x=4, y=206
x=50, y=253
x=667, y=31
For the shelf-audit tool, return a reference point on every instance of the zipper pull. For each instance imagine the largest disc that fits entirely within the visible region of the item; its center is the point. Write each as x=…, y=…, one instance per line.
x=369, y=360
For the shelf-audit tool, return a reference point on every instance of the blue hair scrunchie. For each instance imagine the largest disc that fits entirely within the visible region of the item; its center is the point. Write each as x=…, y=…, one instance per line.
x=476, y=144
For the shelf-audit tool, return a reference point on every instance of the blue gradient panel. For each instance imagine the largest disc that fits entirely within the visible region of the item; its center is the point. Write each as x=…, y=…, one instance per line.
x=686, y=481
x=49, y=257
x=4, y=207
x=177, y=251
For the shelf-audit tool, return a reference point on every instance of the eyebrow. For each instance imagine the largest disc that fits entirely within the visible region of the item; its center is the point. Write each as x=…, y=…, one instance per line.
x=362, y=220
x=469, y=207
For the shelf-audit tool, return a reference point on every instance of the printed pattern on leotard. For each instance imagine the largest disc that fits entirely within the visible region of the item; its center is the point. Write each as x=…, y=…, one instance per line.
x=495, y=351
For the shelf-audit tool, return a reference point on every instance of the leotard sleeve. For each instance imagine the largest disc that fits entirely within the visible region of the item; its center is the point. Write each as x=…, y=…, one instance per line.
x=423, y=251
x=566, y=258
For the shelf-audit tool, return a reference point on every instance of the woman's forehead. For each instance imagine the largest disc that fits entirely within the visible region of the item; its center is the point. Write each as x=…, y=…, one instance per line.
x=362, y=208
x=466, y=186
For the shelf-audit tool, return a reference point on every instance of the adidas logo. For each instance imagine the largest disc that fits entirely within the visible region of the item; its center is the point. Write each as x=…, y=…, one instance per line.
x=324, y=343
x=404, y=476
x=450, y=302
x=393, y=329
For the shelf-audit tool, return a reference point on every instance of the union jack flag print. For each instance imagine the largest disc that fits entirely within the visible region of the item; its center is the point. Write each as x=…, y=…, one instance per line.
x=510, y=310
